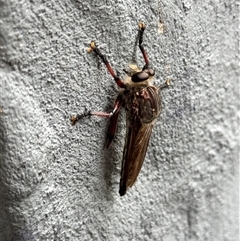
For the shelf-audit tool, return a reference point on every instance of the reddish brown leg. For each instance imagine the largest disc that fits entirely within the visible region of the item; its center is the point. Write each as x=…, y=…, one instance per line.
x=94, y=48
x=142, y=27
x=75, y=118
x=112, y=128
x=113, y=120
x=113, y=115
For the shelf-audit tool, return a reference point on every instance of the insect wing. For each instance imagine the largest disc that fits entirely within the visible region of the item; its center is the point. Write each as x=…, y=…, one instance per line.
x=134, y=154
x=138, y=134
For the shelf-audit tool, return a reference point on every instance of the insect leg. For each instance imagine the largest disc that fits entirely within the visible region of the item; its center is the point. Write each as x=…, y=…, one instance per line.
x=113, y=120
x=116, y=108
x=166, y=84
x=86, y=113
x=75, y=118
x=112, y=128
x=94, y=48
x=142, y=27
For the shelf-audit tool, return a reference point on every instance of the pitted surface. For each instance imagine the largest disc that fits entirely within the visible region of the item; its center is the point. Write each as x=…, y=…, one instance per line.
x=57, y=180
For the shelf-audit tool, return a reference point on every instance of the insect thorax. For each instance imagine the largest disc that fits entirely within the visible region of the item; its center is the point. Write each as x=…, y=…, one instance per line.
x=142, y=103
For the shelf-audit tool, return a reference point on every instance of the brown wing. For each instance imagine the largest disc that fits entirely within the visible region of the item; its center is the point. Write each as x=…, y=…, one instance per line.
x=140, y=126
x=135, y=151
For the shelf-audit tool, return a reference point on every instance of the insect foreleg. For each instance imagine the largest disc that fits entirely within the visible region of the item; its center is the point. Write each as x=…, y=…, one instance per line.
x=94, y=48
x=142, y=27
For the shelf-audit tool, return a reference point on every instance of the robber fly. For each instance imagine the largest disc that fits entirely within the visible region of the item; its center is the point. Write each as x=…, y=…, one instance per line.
x=142, y=103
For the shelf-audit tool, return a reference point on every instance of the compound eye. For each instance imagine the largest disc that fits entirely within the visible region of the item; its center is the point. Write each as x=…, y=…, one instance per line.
x=151, y=72
x=140, y=76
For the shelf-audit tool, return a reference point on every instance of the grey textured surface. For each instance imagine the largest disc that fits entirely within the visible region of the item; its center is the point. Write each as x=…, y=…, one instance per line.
x=57, y=182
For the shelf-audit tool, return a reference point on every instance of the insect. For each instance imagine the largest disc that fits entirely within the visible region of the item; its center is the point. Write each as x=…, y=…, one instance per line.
x=142, y=103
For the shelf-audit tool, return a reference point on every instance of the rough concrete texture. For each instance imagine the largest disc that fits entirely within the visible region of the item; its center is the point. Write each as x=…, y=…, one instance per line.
x=57, y=180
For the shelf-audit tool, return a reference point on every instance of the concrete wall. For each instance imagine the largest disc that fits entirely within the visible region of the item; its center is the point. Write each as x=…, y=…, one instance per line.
x=57, y=182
